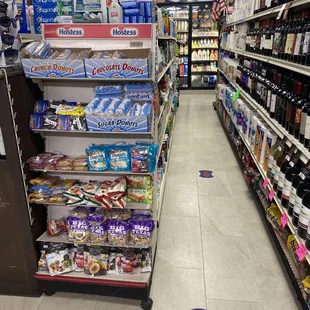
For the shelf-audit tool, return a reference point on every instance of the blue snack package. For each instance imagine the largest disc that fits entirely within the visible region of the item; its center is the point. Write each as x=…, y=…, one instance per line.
x=119, y=157
x=110, y=110
x=148, y=9
x=40, y=106
x=153, y=149
x=130, y=12
x=36, y=121
x=109, y=91
x=96, y=158
x=93, y=104
x=126, y=19
x=141, y=9
x=149, y=20
x=135, y=110
x=129, y=5
x=102, y=106
x=133, y=19
x=123, y=107
x=141, y=19
x=146, y=109
x=63, y=122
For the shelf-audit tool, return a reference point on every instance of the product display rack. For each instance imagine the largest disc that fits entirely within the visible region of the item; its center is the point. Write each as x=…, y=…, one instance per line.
x=284, y=256
x=72, y=142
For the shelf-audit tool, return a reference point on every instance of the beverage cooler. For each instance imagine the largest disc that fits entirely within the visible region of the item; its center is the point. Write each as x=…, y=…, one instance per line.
x=197, y=38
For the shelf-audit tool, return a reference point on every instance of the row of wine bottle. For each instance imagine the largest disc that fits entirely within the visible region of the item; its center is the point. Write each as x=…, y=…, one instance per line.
x=283, y=94
x=287, y=39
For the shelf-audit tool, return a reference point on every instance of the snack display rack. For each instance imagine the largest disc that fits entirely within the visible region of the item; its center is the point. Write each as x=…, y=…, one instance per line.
x=71, y=143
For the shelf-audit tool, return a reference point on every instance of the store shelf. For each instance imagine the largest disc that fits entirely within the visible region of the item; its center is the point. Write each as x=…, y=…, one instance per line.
x=271, y=11
x=274, y=61
x=275, y=126
x=203, y=72
x=64, y=239
x=198, y=61
x=162, y=73
x=205, y=36
x=164, y=37
x=205, y=47
x=90, y=133
x=140, y=280
x=269, y=185
x=182, y=31
x=91, y=172
x=180, y=18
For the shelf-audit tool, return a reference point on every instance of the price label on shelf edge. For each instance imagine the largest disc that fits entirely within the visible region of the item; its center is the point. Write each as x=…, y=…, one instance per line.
x=284, y=219
x=271, y=194
x=265, y=183
x=301, y=251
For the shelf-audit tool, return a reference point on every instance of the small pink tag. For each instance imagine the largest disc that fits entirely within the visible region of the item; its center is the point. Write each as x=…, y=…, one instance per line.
x=301, y=251
x=284, y=219
x=271, y=194
x=265, y=183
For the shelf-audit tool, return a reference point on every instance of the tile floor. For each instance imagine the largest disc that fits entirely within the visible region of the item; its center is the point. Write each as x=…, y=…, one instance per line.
x=213, y=251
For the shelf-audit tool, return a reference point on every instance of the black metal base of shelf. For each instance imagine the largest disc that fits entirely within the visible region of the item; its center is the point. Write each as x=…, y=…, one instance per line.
x=269, y=228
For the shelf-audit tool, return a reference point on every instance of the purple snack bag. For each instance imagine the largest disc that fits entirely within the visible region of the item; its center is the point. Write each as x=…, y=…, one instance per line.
x=98, y=234
x=142, y=214
x=117, y=232
x=78, y=229
x=141, y=231
x=95, y=219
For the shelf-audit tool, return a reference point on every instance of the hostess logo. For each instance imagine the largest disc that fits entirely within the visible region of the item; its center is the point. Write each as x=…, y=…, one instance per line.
x=70, y=32
x=124, y=32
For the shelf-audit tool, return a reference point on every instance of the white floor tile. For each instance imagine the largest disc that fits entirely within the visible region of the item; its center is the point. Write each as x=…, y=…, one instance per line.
x=113, y=303
x=215, y=304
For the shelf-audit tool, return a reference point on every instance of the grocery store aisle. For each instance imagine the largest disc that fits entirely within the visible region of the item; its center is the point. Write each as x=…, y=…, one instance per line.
x=213, y=251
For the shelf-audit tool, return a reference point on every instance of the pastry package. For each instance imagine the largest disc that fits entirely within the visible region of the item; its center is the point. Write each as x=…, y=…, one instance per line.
x=97, y=158
x=141, y=231
x=78, y=257
x=140, y=195
x=138, y=181
x=96, y=261
x=119, y=157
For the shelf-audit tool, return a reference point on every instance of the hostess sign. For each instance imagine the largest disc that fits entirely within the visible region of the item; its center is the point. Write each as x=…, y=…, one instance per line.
x=97, y=31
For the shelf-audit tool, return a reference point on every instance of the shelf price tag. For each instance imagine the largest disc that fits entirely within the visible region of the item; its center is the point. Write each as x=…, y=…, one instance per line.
x=236, y=95
x=271, y=194
x=284, y=219
x=265, y=183
x=301, y=251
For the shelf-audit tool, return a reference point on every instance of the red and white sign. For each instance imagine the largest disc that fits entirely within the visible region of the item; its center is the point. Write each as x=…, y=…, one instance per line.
x=97, y=31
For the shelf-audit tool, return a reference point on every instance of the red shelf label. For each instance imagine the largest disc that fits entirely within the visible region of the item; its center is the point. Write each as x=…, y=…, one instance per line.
x=97, y=31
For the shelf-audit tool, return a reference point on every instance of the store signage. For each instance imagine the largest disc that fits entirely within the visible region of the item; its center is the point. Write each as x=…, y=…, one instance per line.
x=97, y=31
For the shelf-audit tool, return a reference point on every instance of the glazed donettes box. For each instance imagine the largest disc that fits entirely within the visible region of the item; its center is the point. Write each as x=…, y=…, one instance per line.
x=135, y=65
x=36, y=68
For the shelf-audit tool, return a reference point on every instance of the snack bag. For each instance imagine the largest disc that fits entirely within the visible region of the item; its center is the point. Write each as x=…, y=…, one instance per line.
x=117, y=232
x=146, y=260
x=97, y=158
x=142, y=214
x=141, y=195
x=59, y=260
x=120, y=214
x=137, y=181
x=96, y=261
x=129, y=262
x=56, y=227
x=90, y=188
x=78, y=230
x=78, y=257
x=98, y=234
x=119, y=157
x=292, y=245
x=273, y=215
x=76, y=191
x=141, y=231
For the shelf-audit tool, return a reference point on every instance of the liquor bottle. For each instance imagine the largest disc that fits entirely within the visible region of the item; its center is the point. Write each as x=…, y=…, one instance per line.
x=299, y=39
x=290, y=175
x=289, y=40
x=276, y=40
x=282, y=44
x=264, y=89
x=288, y=101
x=281, y=101
x=298, y=179
x=299, y=107
x=278, y=97
x=273, y=160
x=275, y=171
x=269, y=86
x=306, y=42
x=273, y=100
x=305, y=109
x=269, y=39
x=294, y=101
x=304, y=217
x=270, y=158
x=294, y=30
x=286, y=155
x=302, y=189
x=289, y=162
x=262, y=40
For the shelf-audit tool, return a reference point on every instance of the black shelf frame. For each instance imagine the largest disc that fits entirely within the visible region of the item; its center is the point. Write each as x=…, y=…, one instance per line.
x=271, y=233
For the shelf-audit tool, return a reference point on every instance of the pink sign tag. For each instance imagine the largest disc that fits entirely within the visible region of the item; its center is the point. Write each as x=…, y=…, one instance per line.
x=265, y=183
x=301, y=251
x=284, y=219
x=271, y=194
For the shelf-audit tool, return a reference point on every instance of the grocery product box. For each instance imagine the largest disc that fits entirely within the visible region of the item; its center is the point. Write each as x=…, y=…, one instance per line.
x=36, y=68
x=137, y=64
x=125, y=123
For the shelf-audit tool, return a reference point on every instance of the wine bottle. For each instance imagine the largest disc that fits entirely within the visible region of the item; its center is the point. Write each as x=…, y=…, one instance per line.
x=273, y=100
x=271, y=158
x=282, y=149
x=276, y=40
x=306, y=43
x=304, y=217
x=284, y=32
x=302, y=189
x=289, y=162
x=299, y=39
x=299, y=107
x=288, y=101
x=305, y=109
x=278, y=97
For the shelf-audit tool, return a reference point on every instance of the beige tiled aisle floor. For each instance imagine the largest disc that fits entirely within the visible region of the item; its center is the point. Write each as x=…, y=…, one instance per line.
x=213, y=250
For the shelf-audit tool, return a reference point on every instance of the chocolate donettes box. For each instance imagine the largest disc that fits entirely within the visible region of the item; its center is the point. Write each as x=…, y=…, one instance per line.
x=36, y=68
x=135, y=65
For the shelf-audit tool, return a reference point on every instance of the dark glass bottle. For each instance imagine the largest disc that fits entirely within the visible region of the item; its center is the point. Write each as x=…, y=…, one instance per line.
x=306, y=44
x=293, y=108
x=302, y=189
x=294, y=31
x=278, y=97
x=304, y=217
x=305, y=109
x=269, y=86
x=282, y=148
x=299, y=39
x=286, y=156
x=290, y=176
x=288, y=101
x=276, y=40
x=284, y=31
x=299, y=107
x=273, y=101
x=282, y=102
x=288, y=162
